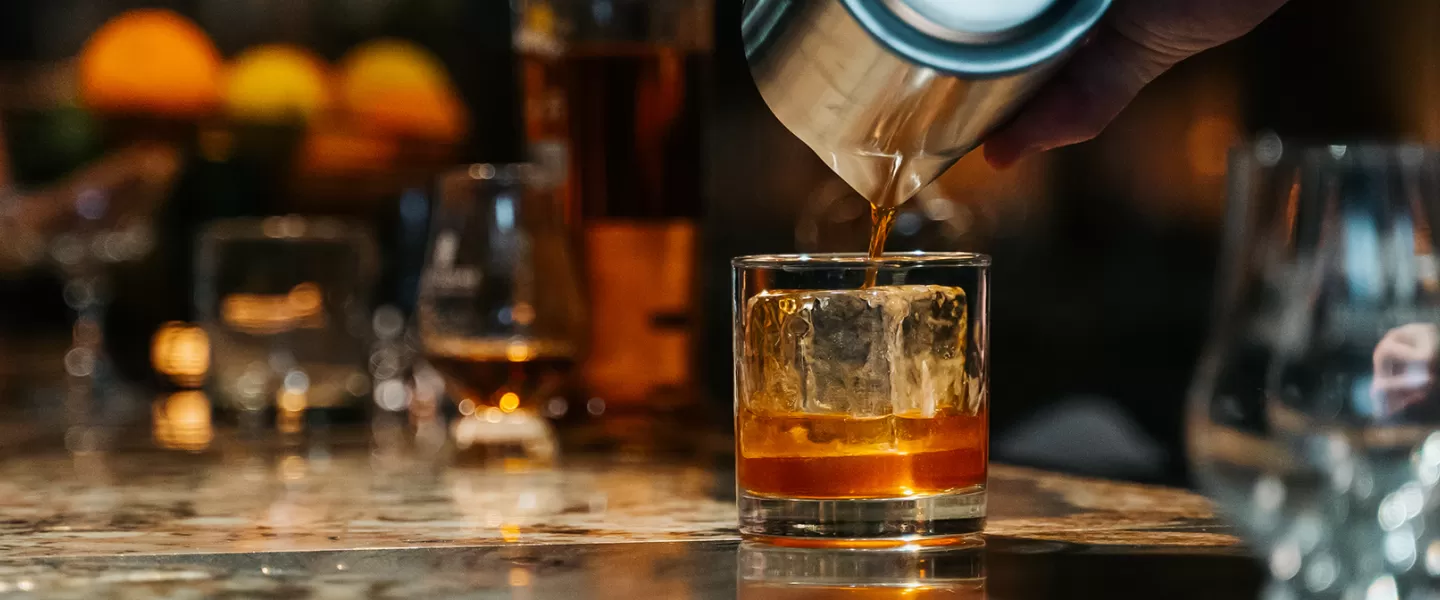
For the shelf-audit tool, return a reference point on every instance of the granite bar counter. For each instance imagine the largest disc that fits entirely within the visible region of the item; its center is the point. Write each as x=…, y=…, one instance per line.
x=349, y=523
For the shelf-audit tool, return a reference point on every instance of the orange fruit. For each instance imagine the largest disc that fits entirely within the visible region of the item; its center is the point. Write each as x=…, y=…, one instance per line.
x=277, y=82
x=152, y=61
x=400, y=88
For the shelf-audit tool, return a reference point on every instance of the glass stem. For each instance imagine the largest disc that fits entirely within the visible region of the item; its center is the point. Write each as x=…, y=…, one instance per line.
x=91, y=381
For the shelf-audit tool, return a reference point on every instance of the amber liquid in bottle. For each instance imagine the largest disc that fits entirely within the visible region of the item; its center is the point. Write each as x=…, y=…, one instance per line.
x=631, y=121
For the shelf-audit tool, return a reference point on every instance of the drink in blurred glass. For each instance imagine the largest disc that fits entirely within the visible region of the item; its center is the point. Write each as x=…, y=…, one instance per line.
x=506, y=375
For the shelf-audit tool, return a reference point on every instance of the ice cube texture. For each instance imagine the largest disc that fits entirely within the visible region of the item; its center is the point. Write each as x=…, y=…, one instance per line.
x=874, y=352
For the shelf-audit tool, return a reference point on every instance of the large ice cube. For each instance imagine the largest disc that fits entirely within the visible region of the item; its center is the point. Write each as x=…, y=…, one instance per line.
x=863, y=353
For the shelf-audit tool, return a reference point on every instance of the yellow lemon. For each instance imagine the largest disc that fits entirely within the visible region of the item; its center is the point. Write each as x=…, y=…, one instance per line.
x=540, y=18
x=150, y=61
x=277, y=82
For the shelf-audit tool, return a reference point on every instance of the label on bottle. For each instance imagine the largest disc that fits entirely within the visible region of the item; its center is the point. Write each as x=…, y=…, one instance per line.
x=642, y=282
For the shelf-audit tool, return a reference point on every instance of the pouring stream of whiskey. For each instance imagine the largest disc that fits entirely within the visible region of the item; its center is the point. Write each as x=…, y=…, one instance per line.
x=881, y=220
x=883, y=209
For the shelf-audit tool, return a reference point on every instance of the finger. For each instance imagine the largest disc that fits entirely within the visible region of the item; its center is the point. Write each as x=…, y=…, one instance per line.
x=1400, y=351
x=1420, y=335
x=1088, y=93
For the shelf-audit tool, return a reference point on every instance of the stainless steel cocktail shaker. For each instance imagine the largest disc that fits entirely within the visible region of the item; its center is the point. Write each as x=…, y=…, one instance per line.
x=891, y=93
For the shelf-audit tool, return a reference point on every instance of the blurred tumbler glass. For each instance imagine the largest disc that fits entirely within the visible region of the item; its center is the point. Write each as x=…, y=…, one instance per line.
x=285, y=302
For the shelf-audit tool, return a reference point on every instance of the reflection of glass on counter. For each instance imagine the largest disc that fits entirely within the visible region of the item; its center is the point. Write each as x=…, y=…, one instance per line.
x=181, y=421
x=284, y=302
x=780, y=573
x=507, y=499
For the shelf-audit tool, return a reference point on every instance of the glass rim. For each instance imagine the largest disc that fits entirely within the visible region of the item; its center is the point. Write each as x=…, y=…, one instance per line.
x=860, y=260
x=522, y=172
x=284, y=228
x=490, y=177
x=1272, y=149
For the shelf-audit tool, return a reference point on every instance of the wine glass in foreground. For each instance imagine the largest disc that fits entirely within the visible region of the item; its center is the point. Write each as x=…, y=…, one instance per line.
x=1314, y=416
x=500, y=315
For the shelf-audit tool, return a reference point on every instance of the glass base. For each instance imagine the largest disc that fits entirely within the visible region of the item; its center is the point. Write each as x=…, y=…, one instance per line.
x=770, y=571
x=952, y=514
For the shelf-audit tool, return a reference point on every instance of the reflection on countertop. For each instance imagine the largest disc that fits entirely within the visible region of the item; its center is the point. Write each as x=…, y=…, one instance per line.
x=150, y=502
x=1002, y=569
x=162, y=503
x=349, y=521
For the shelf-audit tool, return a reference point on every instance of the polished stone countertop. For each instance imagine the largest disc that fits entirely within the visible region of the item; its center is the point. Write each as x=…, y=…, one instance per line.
x=354, y=524
x=1002, y=569
x=166, y=503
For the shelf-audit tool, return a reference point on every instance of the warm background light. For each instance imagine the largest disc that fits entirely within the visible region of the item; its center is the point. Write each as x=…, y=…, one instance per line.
x=509, y=402
x=181, y=421
x=290, y=416
x=181, y=352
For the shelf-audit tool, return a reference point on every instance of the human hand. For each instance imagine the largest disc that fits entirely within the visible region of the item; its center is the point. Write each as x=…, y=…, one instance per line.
x=1403, y=362
x=1139, y=40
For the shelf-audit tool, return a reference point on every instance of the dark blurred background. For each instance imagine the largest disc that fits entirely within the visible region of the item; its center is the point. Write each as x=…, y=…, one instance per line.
x=1104, y=253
